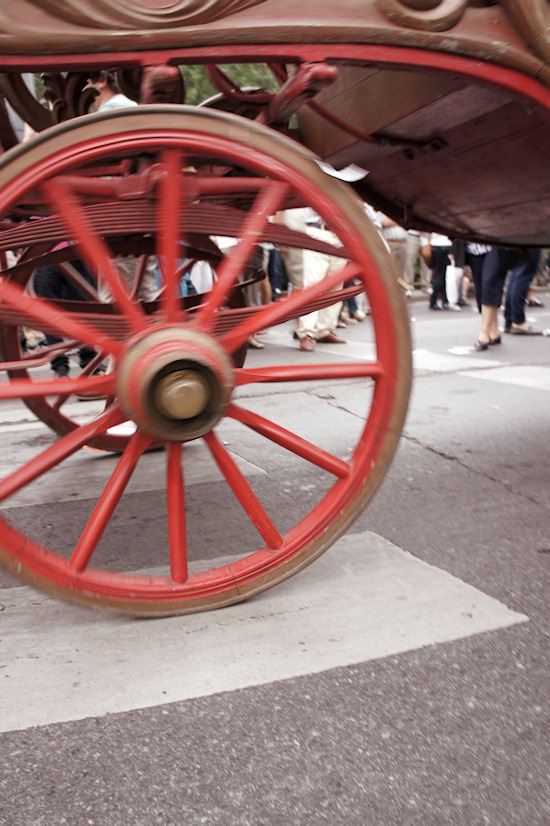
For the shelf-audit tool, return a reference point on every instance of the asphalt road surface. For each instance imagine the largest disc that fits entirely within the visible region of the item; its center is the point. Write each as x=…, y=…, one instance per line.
x=400, y=679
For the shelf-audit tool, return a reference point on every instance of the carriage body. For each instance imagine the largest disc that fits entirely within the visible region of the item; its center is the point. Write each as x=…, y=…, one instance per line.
x=442, y=108
x=443, y=103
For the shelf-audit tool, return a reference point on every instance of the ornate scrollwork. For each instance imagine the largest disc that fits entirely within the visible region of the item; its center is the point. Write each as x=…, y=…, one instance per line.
x=427, y=15
x=532, y=20
x=141, y=14
x=66, y=94
x=29, y=109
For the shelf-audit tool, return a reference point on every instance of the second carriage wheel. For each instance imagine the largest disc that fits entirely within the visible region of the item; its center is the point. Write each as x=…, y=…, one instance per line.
x=248, y=483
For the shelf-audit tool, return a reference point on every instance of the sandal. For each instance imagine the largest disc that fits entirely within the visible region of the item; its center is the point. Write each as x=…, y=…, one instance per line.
x=524, y=331
x=481, y=345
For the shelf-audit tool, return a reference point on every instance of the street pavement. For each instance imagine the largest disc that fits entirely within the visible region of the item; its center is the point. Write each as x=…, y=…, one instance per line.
x=400, y=679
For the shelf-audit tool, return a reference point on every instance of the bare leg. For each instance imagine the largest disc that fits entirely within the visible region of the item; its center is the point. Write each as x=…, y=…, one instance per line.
x=489, y=324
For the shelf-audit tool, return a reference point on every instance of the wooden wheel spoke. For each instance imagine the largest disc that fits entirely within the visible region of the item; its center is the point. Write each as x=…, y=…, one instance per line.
x=158, y=185
x=244, y=493
x=39, y=357
x=175, y=501
x=140, y=275
x=268, y=202
x=309, y=372
x=28, y=389
x=171, y=199
x=108, y=501
x=59, y=451
x=78, y=281
x=296, y=444
x=85, y=373
x=279, y=311
x=42, y=311
x=63, y=200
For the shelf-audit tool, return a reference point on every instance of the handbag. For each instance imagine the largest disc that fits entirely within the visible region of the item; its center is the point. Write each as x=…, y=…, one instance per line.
x=452, y=282
x=427, y=254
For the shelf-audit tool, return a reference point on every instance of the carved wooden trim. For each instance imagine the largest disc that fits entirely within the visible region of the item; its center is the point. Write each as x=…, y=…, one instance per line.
x=139, y=14
x=427, y=15
x=532, y=20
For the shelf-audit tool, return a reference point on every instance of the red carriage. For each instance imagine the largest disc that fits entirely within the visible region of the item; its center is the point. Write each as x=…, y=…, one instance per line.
x=442, y=105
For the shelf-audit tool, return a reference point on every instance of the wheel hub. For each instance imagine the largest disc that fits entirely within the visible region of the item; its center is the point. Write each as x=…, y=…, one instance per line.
x=175, y=383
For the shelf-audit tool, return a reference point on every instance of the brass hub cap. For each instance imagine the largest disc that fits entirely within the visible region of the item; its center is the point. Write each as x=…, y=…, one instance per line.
x=175, y=383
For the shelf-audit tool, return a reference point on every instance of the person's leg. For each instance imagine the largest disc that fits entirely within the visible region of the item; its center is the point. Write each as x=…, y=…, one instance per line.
x=302, y=267
x=509, y=299
x=275, y=271
x=349, y=312
x=441, y=260
x=489, y=327
x=492, y=284
x=397, y=253
x=327, y=320
x=475, y=262
x=412, y=252
x=265, y=291
x=523, y=274
x=70, y=293
x=48, y=283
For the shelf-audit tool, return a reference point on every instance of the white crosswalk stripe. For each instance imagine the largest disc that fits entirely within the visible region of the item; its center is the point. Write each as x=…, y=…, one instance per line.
x=65, y=663
x=522, y=375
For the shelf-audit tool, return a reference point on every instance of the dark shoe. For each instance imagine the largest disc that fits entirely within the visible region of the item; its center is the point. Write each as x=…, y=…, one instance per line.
x=534, y=302
x=332, y=338
x=497, y=340
x=435, y=307
x=479, y=346
x=306, y=343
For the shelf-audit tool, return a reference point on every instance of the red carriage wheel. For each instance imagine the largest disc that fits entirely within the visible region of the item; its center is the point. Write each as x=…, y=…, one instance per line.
x=291, y=485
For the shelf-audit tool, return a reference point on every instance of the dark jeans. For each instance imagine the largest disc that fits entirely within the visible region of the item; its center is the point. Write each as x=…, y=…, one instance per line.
x=352, y=305
x=275, y=271
x=518, y=287
x=441, y=261
x=50, y=283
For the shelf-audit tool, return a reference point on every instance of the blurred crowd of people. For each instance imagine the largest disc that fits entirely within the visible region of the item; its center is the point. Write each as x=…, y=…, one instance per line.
x=448, y=270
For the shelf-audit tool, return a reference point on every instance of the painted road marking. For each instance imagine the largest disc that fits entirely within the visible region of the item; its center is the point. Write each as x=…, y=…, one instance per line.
x=447, y=363
x=422, y=359
x=522, y=375
x=363, y=600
